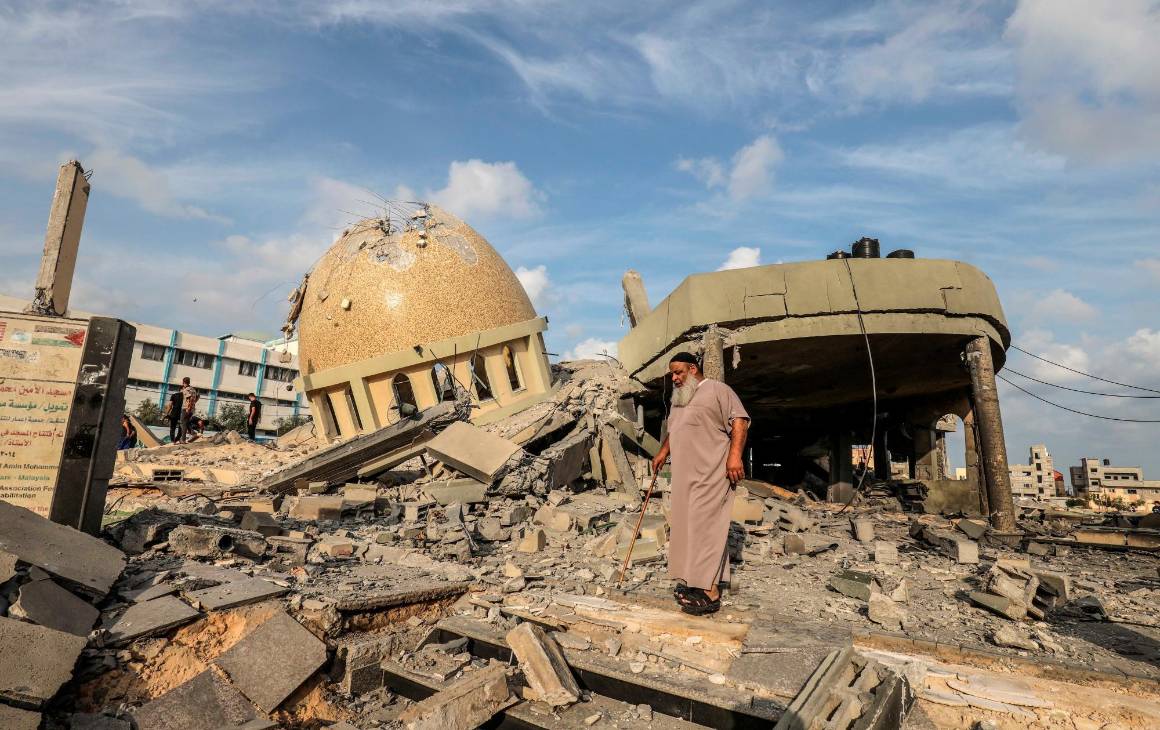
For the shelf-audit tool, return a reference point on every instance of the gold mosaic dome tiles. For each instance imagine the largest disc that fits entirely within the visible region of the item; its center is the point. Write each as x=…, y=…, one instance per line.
x=384, y=288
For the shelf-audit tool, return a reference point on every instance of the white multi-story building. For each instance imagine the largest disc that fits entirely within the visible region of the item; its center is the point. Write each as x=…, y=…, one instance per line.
x=224, y=369
x=1036, y=478
x=1096, y=479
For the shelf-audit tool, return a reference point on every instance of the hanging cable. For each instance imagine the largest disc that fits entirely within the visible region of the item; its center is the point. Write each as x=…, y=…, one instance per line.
x=1072, y=410
x=873, y=393
x=1079, y=390
x=1080, y=372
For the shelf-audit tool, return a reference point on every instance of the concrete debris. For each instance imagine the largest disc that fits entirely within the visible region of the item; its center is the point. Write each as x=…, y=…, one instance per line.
x=36, y=661
x=543, y=665
x=45, y=603
x=216, y=542
x=464, y=705
x=238, y=593
x=1007, y=636
x=281, y=643
x=206, y=702
x=77, y=558
x=469, y=449
x=149, y=618
x=12, y=718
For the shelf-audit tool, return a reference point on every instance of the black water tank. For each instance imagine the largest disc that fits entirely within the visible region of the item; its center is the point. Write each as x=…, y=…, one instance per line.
x=838, y=255
x=865, y=248
x=902, y=253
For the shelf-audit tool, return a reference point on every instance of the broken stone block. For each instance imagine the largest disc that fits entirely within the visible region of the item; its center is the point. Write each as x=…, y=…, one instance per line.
x=1057, y=584
x=7, y=566
x=205, y=702
x=543, y=665
x=87, y=721
x=63, y=551
x=273, y=660
x=533, y=542
x=515, y=515
x=746, y=509
x=489, y=529
x=853, y=583
x=238, y=593
x=290, y=550
x=967, y=552
x=885, y=553
x=807, y=544
x=655, y=528
x=45, y=603
x=557, y=497
x=999, y=604
x=317, y=507
x=885, y=612
x=473, y=451
x=464, y=705
x=12, y=718
x=644, y=551
x=463, y=491
x=148, y=618
x=416, y=511
x=962, y=551
x=973, y=529
x=262, y=523
x=335, y=547
x=1037, y=548
x=1009, y=637
x=863, y=530
x=360, y=493
x=36, y=661
x=787, y=517
x=216, y=542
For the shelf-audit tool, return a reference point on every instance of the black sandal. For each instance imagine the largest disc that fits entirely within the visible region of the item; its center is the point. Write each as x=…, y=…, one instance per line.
x=698, y=603
x=679, y=592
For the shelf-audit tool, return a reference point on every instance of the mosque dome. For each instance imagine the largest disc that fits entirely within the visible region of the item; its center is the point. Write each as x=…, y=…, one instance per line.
x=389, y=284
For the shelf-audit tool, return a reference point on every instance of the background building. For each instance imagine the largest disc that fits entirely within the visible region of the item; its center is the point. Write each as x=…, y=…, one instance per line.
x=1096, y=479
x=224, y=369
x=1036, y=478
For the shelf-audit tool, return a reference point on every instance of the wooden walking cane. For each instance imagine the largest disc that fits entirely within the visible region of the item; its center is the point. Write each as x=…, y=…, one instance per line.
x=639, y=521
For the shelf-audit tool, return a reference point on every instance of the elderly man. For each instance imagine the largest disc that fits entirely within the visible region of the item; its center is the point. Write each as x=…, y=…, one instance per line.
x=707, y=430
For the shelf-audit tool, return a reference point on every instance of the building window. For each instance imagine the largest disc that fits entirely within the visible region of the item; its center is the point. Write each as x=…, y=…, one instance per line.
x=478, y=369
x=330, y=415
x=443, y=382
x=193, y=359
x=153, y=352
x=249, y=369
x=282, y=375
x=1039, y=479
x=1131, y=491
x=404, y=393
x=513, y=369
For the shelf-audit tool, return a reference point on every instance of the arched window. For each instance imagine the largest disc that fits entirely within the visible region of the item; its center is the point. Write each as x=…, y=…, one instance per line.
x=404, y=393
x=443, y=382
x=513, y=369
x=479, y=377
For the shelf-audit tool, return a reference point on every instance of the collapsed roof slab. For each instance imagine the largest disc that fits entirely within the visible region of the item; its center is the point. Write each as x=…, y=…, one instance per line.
x=797, y=326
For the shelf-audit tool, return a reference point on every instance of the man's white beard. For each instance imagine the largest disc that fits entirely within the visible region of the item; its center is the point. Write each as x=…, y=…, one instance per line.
x=684, y=394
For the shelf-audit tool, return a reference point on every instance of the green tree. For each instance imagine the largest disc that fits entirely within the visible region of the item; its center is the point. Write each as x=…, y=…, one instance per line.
x=283, y=425
x=232, y=417
x=149, y=414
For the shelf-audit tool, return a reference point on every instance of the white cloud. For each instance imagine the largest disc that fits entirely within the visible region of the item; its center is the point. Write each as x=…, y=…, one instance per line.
x=1061, y=306
x=742, y=257
x=475, y=187
x=1150, y=266
x=1088, y=86
x=1042, y=343
x=129, y=177
x=535, y=282
x=749, y=175
x=591, y=348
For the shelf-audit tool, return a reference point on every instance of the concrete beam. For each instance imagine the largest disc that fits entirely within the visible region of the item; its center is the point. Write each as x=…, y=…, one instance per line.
x=62, y=239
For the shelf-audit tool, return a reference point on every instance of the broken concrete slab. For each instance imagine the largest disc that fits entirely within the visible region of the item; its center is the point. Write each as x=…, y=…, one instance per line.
x=475, y=452
x=808, y=544
x=36, y=661
x=228, y=595
x=148, y=618
x=45, y=603
x=12, y=718
x=67, y=553
x=614, y=462
x=885, y=612
x=746, y=509
x=999, y=604
x=463, y=705
x=281, y=643
x=261, y=522
x=533, y=542
x=853, y=583
x=1012, y=639
x=93, y=721
x=973, y=529
x=543, y=665
x=965, y=552
x=316, y=507
x=7, y=566
x=464, y=491
x=206, y=702
x=863, y=530
x=216, y=542
x=885, y=553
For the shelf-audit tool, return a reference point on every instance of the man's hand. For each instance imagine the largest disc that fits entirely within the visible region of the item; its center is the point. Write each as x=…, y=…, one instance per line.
x=734, y=468
x=658, y=462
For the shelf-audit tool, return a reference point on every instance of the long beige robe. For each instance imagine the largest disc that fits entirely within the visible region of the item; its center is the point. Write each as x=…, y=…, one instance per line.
x=702, y=497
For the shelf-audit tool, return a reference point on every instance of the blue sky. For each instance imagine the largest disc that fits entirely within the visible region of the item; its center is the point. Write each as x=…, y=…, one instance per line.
x=230, y=141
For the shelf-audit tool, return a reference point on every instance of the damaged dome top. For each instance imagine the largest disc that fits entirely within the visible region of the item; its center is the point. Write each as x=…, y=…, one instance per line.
x=387, y=285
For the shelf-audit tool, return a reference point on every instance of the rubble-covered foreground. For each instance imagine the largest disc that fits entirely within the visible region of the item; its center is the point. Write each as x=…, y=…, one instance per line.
x=473, y=578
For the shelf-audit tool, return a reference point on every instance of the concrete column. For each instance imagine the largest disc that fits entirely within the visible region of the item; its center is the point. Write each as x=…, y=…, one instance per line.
x=62, y=238
x=364, y=402
x=990, y=424
x=942, y=460
x=713, y=354
x=635, y=297
x=881, y=455
x=841, y=467
x=925, y=454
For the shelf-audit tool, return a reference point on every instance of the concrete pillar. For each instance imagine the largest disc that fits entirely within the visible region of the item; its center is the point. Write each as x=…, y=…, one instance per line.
x=713, y=354
x=841, y=467
x=942, y=459
x=925, y=454
x=62, y=238
x=990, y=424
x=881, y=455
x=635, y=297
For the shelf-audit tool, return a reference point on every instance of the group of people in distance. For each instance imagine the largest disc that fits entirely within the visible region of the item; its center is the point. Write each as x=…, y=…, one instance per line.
x=184, y=423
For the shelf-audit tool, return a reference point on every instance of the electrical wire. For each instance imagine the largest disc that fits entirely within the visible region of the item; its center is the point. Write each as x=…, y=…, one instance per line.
x=1081, y=372
x=1079, y=390
x=1073, y=410
x=873, y=389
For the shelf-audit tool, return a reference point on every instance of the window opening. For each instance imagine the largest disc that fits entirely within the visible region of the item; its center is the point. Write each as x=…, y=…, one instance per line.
x=354, y=414
x=404, y=393
x=479, y=375
x=513, y=369
x=444, y=385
